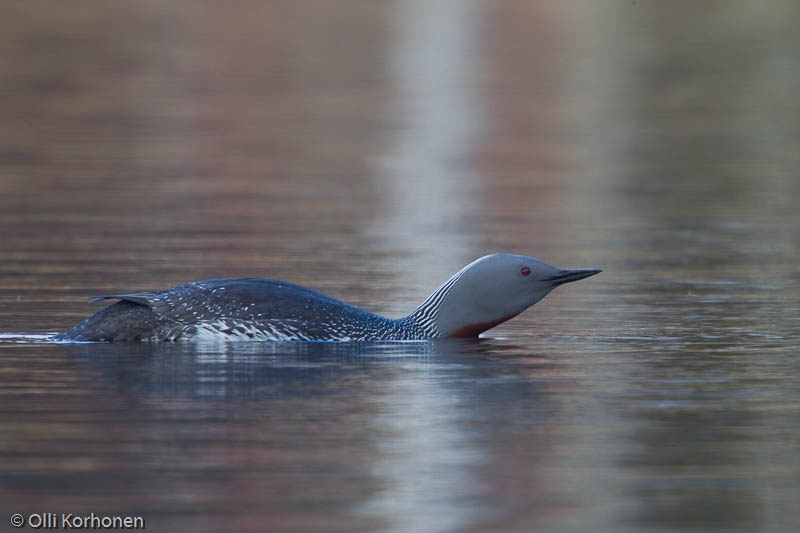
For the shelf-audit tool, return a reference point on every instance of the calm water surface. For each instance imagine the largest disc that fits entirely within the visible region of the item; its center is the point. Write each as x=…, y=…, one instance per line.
x=370, y=150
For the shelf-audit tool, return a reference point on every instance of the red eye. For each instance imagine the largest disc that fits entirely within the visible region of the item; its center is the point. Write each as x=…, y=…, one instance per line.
x=525, y=271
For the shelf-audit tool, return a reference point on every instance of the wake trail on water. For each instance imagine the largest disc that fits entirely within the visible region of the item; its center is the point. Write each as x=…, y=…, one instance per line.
x=26, y=338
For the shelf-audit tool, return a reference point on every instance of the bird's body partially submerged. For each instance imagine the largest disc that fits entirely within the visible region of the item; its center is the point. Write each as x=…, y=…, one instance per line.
x=483, y=294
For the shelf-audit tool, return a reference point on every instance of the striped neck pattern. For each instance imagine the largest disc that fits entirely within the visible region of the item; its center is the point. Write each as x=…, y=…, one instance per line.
x=426, y=316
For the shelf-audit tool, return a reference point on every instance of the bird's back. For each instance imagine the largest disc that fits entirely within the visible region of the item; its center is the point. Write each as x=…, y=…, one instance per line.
x=256, y=308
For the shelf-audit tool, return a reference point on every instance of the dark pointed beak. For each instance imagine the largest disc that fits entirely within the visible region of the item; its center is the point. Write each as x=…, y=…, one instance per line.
x=565, y=276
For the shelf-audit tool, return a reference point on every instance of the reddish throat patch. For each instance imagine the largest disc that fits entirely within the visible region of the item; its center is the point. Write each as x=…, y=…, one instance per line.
x=471, y=331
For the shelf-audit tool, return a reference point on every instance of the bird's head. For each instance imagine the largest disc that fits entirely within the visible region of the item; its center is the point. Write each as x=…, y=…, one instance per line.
x=489, y=291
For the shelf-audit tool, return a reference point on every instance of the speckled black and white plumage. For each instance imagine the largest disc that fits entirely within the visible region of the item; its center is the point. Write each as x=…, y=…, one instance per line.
x=253, y=308
x=270, y=310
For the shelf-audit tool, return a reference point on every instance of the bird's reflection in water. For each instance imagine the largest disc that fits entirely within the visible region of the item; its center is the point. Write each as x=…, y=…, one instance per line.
x=259, y=369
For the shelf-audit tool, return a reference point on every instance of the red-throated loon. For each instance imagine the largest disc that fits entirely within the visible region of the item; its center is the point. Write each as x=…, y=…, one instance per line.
x=483, y=294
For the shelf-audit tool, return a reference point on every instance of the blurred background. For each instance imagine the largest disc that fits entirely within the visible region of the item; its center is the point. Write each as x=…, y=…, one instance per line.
x=380, y=146
x=371, y=149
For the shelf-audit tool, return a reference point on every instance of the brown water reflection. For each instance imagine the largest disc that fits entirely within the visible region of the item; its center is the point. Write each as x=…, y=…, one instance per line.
x=369, y=150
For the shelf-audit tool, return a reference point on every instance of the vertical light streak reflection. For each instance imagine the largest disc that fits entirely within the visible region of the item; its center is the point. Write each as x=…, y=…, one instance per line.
x=425, y=455
x=428, y=189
